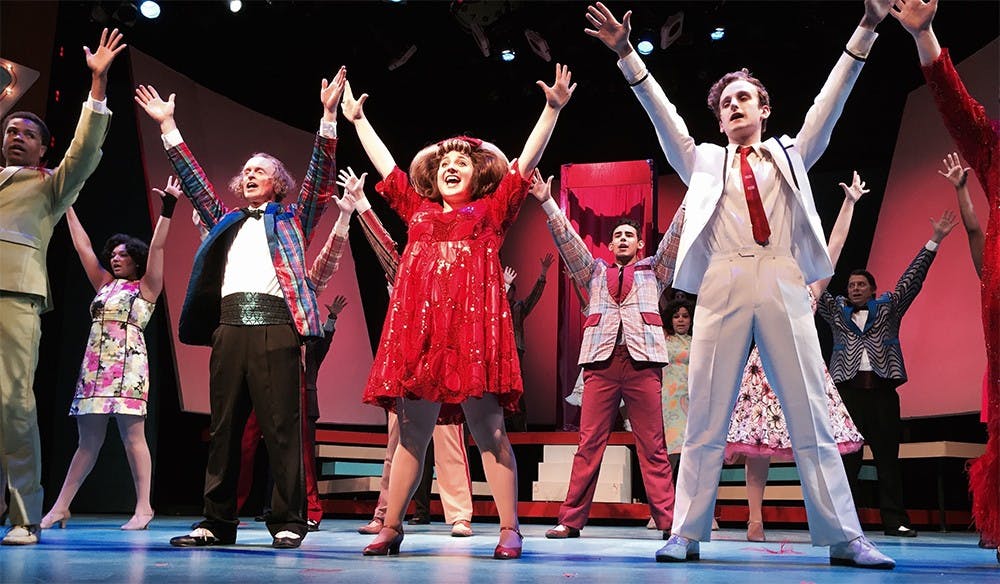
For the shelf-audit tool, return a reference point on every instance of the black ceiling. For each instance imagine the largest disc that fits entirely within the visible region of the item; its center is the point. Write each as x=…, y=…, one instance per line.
x=271, y=55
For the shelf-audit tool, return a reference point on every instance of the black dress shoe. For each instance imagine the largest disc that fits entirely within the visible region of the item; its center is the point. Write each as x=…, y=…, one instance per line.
x=200, y=540
x=419, y=520
x=286, y=543
x=312, y=524
x=262, y=518
x=901, y=531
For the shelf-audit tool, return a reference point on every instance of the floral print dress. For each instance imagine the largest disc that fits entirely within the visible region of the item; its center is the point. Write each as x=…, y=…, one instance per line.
x=675, y=392
x=114, y=377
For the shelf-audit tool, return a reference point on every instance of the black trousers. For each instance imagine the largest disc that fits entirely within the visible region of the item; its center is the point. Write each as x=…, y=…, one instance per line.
x=259, y=368
x=875, y=411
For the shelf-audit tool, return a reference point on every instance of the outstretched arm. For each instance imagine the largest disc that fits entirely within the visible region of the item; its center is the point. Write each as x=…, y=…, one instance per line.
x=556, y=97
x=327, y=262
x=579, y=261
x=99, y=62
x=916, y=17
x=912, y=280
x=841, y=227
x=374, y=147
x=152, y=281
x=96, y=273
x=536, y=291
x=958, y=177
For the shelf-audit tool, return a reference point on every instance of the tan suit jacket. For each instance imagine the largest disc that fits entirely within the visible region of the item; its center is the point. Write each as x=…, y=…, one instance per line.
x=33, y=199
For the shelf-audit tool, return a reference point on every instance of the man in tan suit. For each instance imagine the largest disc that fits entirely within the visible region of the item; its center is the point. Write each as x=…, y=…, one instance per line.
x=32, y=200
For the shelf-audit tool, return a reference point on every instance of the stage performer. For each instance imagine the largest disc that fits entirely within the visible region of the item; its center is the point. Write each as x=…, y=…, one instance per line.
x=622, y=354
x=752, y=239
x=447, y=345
x=32, y=199
x=867, y=366
x=450, y=459
x=249, y=298
x=114, y=377
x=758, y=432
x=978, y=140
x=519, y=311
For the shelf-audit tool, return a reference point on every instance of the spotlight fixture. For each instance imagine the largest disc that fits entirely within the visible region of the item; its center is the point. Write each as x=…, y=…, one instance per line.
x=128, y=11
x=235, y=6
x=646, y=44
x=718, y=34
x=149, y=9
x=671, y=30
x=482, y=41
x=507, y=55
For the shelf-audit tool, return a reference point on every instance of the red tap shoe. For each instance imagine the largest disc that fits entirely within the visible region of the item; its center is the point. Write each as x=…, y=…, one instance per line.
x=388, y=547
x=508, y=553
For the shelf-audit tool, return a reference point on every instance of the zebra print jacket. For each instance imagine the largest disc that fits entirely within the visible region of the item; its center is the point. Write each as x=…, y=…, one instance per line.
x=880, y=335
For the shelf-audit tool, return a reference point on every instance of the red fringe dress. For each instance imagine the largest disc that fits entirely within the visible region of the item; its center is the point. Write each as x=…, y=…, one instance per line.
x=978, y=141
x=448, y=334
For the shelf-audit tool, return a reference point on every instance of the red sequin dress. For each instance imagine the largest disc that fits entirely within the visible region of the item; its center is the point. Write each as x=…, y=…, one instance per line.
x=448, y=334
x=978, y=141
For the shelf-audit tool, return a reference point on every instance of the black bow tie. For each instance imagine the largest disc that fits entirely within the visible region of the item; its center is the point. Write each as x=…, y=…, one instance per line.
x=254, y=213
x=856, y=309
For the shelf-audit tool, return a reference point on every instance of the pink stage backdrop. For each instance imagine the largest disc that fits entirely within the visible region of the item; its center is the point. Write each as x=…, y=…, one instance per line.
x=942, y=334
x=223, y=134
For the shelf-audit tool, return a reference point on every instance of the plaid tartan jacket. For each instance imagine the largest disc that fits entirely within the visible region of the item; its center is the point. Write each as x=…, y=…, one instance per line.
x=289, y=230
x=638, y=312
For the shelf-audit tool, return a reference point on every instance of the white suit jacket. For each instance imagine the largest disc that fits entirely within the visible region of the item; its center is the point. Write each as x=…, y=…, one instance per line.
x=703, y=167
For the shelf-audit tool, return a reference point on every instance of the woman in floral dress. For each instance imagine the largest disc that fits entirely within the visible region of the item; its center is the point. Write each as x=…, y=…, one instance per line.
x=447, y=349
x=678, y=320
x=114, y=377
x=757, y=431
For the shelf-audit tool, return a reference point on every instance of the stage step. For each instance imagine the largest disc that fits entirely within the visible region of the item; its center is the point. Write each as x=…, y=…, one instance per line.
x=614, y=483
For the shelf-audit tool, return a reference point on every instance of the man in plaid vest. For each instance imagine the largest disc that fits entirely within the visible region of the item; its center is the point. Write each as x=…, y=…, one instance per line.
x=623, y=353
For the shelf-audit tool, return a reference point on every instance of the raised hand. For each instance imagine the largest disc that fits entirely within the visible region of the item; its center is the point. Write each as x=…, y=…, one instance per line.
x=353, y=108
x=172, y=189
x=547, y=261
x=943, y=226
x=608, y=30
x=915, y=15
x=338, y=304
x=508, y=276
x=559, y=93
x=857, y=188
x=541, y=189
x=160, y=111
x=954, y=172
x=330, y=92
x=109, y=47
x=346, y=203
x=352, y=183
x=875, y=11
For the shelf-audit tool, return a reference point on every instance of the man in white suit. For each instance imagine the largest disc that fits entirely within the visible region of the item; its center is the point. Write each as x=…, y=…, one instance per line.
x=752, y=239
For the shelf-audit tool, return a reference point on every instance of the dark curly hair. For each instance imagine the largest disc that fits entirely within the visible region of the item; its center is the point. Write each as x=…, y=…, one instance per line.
x=284, y=182
x=625, y=221
x=136, y=248
x=671, y=309
x=489, y=168
x=715, y=93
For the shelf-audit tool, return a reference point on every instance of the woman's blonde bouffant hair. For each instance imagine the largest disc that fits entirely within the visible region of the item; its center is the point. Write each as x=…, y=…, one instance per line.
x=489, y=162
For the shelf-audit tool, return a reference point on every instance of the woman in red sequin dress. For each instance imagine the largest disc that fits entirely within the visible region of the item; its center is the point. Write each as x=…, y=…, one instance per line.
x=978, y=140
x=447, y=348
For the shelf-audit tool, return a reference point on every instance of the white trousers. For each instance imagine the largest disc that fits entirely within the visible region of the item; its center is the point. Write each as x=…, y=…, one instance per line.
x=759, y=294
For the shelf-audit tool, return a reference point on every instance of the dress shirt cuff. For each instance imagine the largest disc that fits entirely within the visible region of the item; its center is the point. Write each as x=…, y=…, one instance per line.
x=327, y=129
x=550, y=207
x=330, y=324
x=861, y=43
x=171, y=139
x=931, y=245
x=362, y=206
x=99, y=106
x=632, y=67
x=342, y=224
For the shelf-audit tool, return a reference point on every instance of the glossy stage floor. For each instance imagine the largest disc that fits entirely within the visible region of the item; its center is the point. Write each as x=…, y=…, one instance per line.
x=93, y=549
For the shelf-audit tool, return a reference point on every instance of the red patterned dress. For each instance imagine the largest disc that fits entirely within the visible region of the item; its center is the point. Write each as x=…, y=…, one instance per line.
x=978, y=141
x=448, y=334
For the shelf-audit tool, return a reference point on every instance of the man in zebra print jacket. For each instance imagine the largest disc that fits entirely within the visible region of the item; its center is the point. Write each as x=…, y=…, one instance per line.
x=867, y=365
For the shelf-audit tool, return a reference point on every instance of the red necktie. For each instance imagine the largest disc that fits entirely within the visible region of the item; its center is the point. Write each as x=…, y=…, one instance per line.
x=758, y=220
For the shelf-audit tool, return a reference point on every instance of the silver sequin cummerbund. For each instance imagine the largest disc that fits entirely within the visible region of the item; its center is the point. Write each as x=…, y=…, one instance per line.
x=254, y=309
